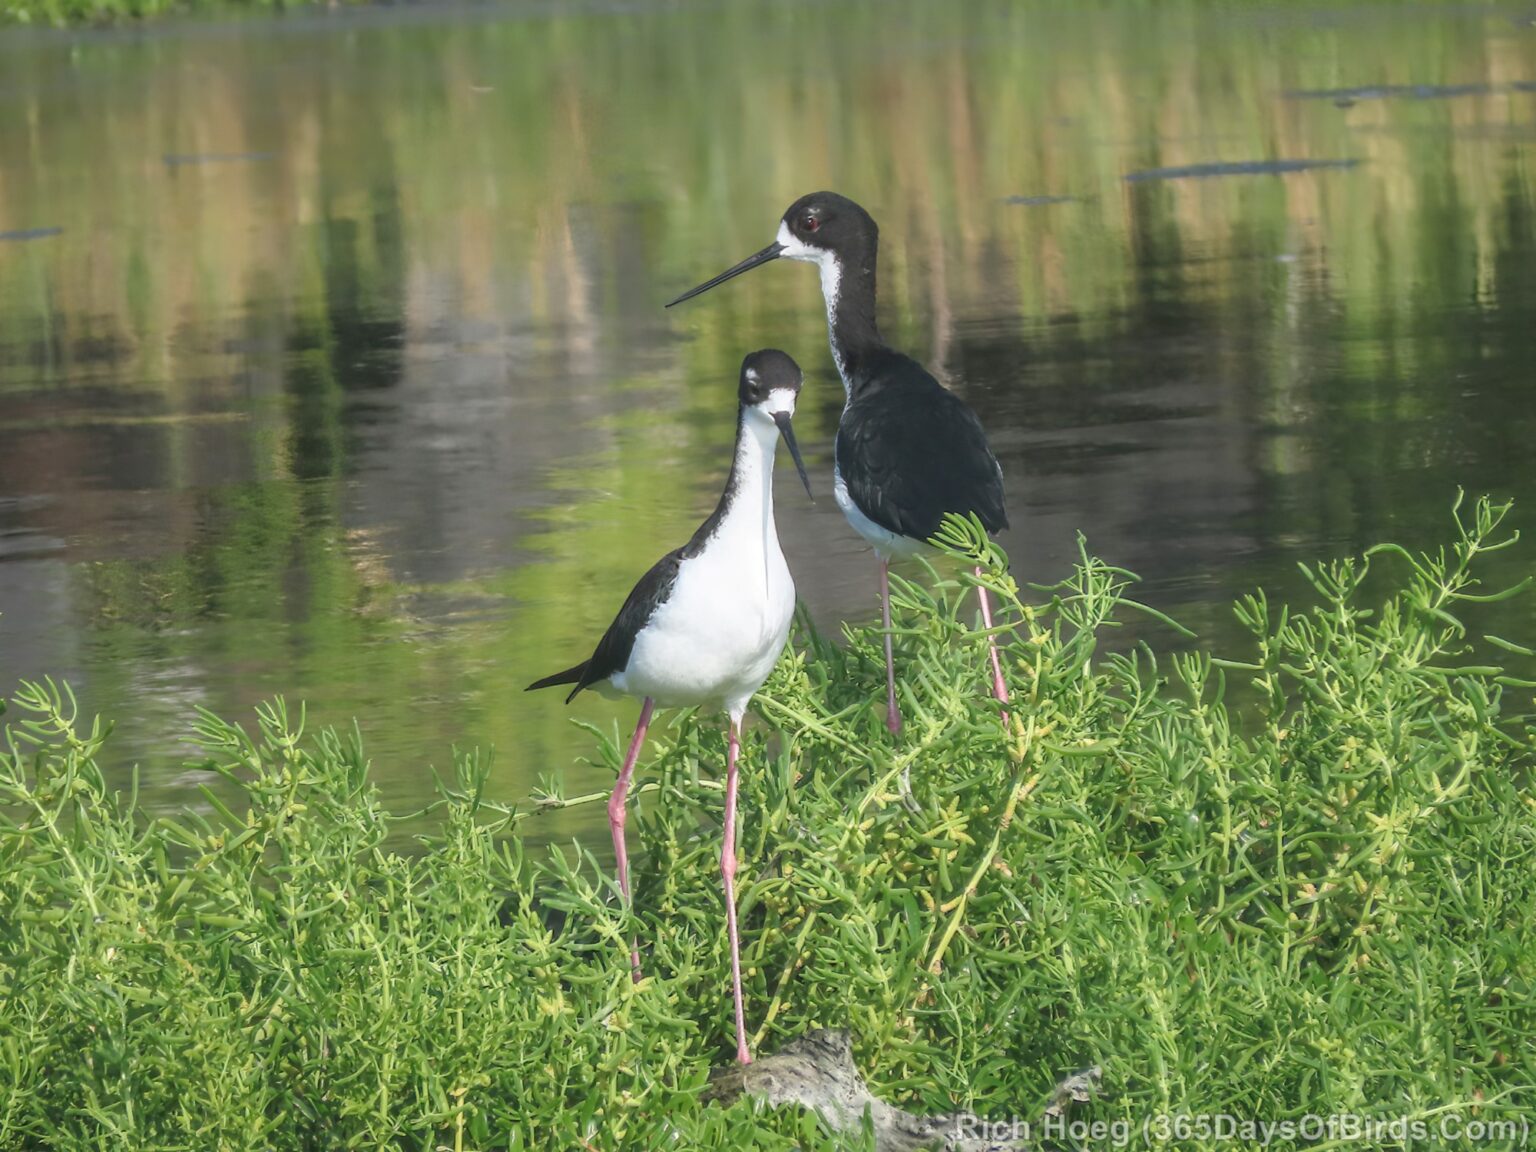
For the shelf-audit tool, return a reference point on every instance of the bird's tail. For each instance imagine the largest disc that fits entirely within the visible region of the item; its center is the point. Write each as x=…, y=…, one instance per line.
x=569, y=676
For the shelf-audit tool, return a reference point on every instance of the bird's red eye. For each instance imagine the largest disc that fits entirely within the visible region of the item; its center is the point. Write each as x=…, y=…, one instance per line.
x=810, y=223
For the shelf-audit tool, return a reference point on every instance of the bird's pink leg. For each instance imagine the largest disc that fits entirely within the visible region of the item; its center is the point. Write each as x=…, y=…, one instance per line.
x=616, y=815
x=999, y=689
x=728, y=875
x=892, y=713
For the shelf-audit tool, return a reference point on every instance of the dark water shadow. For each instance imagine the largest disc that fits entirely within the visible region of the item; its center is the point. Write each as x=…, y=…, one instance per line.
x=1243, y=168
x=1407, y=91
x=173, y=160
x=1040, y=201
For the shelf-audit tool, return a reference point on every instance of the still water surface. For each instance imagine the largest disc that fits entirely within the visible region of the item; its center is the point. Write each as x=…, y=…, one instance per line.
x=333, y=360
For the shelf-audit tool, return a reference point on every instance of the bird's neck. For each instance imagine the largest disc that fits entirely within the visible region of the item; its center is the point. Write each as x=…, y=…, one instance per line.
x=848, y=286
x=744, y=517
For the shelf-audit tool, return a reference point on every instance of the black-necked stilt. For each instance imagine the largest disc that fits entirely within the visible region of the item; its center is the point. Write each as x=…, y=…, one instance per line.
x=908, y=450
x=707, y=623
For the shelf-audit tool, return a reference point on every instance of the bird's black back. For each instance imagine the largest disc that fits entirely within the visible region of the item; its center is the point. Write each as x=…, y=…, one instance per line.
x=909, y=450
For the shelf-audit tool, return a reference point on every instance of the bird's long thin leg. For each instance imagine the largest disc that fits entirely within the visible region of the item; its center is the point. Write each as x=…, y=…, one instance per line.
x=892, y=713
x=616, y=815
x=999, y=688
x=728, y=876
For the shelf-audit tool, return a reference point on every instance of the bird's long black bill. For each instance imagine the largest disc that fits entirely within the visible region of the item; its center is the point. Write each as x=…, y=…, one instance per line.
x=788, y=431
x=769, y=253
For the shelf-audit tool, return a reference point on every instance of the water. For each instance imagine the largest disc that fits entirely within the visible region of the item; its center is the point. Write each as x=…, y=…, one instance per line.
x=333, y=359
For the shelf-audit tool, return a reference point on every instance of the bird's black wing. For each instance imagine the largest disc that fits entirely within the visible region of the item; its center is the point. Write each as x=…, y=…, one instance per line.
x=909, y=451
x=613, y=650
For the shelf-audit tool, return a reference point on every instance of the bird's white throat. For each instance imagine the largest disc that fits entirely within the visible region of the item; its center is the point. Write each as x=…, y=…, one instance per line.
x=746, y=532
x=831, y=270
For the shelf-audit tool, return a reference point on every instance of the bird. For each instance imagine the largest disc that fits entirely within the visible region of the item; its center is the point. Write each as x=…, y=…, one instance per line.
x=908, y=450
x=706, y=624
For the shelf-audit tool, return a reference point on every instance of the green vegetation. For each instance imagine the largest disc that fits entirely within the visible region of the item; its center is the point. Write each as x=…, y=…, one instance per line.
x=1322, y=902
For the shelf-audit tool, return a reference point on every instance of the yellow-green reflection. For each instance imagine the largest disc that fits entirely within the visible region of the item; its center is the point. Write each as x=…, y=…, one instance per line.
x=348, y=377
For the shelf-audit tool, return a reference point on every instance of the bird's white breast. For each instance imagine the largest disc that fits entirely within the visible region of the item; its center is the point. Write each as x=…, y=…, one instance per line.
x=720, y=633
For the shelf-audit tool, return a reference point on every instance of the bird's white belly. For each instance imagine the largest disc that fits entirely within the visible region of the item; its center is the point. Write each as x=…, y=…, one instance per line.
x=890, y=545
x=719, y=634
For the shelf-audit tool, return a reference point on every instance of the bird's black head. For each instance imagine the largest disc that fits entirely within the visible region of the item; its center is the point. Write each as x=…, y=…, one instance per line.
x=765, y=371
x=825, y=222
x=770, y=385
x=824, y=228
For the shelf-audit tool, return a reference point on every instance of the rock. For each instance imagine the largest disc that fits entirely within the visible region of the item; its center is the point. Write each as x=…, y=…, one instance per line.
x=816, y=1072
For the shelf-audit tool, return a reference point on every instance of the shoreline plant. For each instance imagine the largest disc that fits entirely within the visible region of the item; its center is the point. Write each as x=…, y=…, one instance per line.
x=1323, y=903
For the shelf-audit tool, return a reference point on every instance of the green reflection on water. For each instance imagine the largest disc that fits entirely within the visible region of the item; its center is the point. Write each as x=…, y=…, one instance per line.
x=348, y=377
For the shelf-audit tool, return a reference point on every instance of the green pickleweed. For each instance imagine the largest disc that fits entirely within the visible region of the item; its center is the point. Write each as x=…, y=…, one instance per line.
x=1274, y=886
